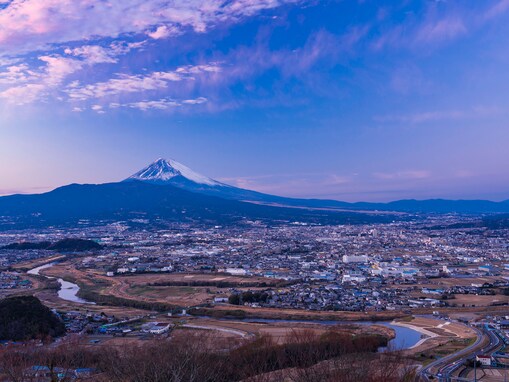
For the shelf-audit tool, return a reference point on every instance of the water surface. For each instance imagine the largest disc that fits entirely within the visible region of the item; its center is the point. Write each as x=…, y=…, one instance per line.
x=68, y=291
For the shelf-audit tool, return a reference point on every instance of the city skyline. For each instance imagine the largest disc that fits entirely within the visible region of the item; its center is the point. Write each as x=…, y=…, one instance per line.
x=370, y=101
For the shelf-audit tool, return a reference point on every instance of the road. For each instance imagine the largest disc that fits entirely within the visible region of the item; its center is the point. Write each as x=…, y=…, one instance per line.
x=496, y=342
x=446, y=366
x=452, y=359
x=220, y=329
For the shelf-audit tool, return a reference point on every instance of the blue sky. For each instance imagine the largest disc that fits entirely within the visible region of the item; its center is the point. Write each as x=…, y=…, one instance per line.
x=352, y=100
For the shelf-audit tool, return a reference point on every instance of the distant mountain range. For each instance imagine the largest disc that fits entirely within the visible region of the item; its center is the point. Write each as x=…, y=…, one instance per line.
x=163, y=172
x=75, y=203
x=170, y=191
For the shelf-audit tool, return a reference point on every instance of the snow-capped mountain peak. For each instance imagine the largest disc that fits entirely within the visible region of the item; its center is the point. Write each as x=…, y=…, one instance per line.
x=163, y=170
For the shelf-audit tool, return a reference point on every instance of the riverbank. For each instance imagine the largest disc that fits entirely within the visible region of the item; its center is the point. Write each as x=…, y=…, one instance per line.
x=244, y=312
x=68, y=291
x=436, y=333
x=426, y=333
x=398, y=337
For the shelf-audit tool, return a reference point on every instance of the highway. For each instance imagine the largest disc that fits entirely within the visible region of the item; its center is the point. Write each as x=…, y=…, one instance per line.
x=446, y=366
x=452, y=359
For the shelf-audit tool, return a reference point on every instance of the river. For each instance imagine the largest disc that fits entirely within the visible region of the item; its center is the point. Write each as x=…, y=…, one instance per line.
x=405, y=337
x=68, y=291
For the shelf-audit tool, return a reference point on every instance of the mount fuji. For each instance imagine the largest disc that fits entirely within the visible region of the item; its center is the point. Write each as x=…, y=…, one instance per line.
x=171, y=172
x=168, y=191
x=164, y=171
x=164, y=191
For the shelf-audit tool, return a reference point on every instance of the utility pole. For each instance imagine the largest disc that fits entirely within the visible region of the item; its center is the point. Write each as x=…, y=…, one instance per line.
x=475, y=368
x=505, y=370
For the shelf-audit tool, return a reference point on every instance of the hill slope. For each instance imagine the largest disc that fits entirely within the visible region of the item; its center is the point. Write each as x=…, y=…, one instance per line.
x=25, y=317
x=128, y=200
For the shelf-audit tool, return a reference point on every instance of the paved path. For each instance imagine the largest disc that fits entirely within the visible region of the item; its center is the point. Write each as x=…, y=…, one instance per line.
x=225, y=330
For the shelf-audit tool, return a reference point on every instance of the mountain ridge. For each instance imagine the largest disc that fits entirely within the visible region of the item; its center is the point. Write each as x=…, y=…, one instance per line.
x=133, y=200
x=212, y=187
x=172, y=192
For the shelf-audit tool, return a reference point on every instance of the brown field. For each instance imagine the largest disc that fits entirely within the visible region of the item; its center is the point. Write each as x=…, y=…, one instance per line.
x=137, y=287
x=38, y=262
x=452, y=328
x=489, y=375
x=176, y=295
x=465, y=282
x=190, y=277
x=280, y=330
x=445, y=282
x=474, y=300
x=297, y=314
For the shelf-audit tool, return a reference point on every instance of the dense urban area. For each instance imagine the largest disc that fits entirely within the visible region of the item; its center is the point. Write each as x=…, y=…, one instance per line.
x=442, y=277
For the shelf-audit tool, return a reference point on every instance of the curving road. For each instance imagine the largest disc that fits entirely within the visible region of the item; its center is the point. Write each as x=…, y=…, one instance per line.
x=240, y=333
x=449, y=363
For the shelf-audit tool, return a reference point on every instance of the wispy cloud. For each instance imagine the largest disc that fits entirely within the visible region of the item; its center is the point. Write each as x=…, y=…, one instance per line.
x=161, y=104
x=94, y=54
x=24, y=83
x=85, y=50
x=498, y=9
x=74, y=35
x=33, y=24
x=430, y=31
x=138, y=83
x=440, y=115
x=403, y=175
x=35, y=84
x=441, y=30
x=162, y=32
x=291, y=184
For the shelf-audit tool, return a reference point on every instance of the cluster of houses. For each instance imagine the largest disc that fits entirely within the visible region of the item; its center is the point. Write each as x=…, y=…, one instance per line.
x=359, y=267
x=13, y=280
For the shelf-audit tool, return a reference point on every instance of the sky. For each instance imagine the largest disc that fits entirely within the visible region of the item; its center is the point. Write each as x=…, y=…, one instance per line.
x=370, y=100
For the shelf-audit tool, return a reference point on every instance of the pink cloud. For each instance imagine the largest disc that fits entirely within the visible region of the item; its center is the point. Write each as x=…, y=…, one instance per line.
x=292, y=184
x=34, y=24
x=161, y=104
x=407, y=174
x=31, y=85
x=441, y=115
x=163, y=32
x=125, y=84
x=441, y=30
x=94, y=54
x=498, y=9
x=431, y=29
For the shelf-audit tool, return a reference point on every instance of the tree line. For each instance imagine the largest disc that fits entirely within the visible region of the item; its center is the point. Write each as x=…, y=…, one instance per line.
x=299, y=356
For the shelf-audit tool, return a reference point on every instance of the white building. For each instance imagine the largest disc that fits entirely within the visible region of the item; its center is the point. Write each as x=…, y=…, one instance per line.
x=351, y=278
x=236, y=271
x=355, y=259
x=160, y=328
x=155, y=327
x=485, y=360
